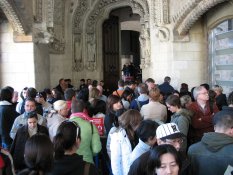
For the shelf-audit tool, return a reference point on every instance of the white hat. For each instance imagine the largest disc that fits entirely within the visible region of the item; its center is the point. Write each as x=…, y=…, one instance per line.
x=59, y=104
x=168, y=131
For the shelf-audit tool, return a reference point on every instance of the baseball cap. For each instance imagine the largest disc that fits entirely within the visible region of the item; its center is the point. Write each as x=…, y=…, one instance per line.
x=59, y=104
x=168, y=131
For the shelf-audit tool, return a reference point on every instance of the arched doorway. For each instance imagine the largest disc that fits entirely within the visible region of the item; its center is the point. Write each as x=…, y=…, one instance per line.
x=121, y=46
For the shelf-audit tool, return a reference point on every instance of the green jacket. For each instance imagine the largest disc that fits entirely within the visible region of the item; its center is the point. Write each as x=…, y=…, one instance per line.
x=90, y=142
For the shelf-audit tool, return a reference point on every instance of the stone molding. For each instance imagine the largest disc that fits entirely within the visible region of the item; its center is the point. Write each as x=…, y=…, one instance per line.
x=162, y=33
x=89, y=30
x=49, y=25
x=57, y=46
x=37, y=11
x=42, y=35
x=190, y=13
x=161, y=18
x=13, y=17
x=78, y=16
x=49, y=8
x=184, y=11
x=161, y=15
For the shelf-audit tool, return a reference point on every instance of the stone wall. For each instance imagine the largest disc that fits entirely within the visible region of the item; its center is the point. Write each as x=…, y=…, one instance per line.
x=42, y=66
x=183, y=61
x=16, y=60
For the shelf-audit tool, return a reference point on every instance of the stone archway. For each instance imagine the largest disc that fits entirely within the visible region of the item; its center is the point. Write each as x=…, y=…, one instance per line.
x=87, y=28
x=11, y=13
x=190, y=13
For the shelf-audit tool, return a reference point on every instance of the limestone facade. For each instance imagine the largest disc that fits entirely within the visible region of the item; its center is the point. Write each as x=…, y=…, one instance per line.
x=66, y=38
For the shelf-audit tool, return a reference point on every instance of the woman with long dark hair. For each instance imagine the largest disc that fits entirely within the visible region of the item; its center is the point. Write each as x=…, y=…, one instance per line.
x=66, y=142
x=38, y=155
x=161, y=160
x=114, y=109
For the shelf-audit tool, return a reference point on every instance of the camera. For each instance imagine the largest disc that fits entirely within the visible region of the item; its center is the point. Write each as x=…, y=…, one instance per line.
x=39, y=95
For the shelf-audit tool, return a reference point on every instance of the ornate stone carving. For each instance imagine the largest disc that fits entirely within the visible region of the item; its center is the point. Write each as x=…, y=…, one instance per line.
x=42, y=35
x=91, y=47
x=161, y=12
x=91, y=66
x=162, y=33
x=50, y=30
x=71, y=7
x=78, y=54
x=91, y=52
x=92, y=19
x=190, y=13
x=144, y=4
x=59, y=12
x=184, y=10
x=58, y=21
x=78, y=16
x=49, y=13
x=144, y=39
x=57, y=46
x=11, y=13
x=37, y=11
x=140, y=7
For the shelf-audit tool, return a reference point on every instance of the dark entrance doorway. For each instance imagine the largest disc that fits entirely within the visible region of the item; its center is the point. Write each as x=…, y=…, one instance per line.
x=120, y=45
x=130, y=48
x=111, y=55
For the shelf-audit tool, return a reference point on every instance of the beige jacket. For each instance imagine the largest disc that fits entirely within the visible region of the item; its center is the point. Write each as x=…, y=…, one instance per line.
x=154, y=111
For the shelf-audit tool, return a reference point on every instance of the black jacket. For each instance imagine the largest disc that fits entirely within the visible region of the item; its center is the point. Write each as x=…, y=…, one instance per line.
x=221, y=101
x=18, y=145
x=7, y=118
x=71, y=165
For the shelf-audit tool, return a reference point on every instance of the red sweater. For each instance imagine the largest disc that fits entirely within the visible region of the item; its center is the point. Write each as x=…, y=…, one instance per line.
x=201, y=121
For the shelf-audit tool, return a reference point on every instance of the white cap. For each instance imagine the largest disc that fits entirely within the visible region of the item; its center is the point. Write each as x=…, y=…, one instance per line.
x=59, y=104
x=168, y=131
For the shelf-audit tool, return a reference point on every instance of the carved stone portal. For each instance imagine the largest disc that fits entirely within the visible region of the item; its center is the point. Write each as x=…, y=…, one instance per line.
x=140, y=7
x=144, y=39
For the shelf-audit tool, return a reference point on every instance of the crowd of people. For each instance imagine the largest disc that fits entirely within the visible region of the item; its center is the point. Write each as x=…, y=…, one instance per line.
x=138, y=129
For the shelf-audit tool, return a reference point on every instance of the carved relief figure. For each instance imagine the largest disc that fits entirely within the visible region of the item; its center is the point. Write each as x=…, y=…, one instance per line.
x=78, y=49
x=91, y=48
x=145, y=44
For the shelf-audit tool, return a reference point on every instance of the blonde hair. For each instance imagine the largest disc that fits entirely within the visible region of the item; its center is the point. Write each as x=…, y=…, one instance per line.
x=154, y=94
x=59, y=105
x=94, y=93
x=218, y=88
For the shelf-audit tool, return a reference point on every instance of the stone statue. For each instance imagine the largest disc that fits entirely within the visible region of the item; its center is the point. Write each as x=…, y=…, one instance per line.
x=91, y=49
x=78, y=49
x=145, y=44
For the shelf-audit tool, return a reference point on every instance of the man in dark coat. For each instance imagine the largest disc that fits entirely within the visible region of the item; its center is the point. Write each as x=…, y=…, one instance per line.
x=7, y=117
x=166, y=88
